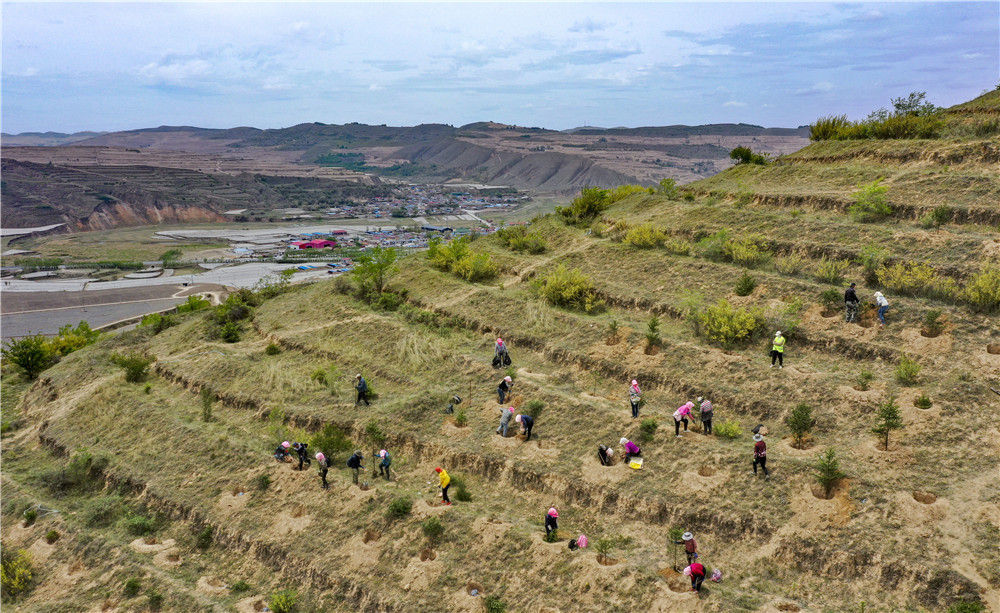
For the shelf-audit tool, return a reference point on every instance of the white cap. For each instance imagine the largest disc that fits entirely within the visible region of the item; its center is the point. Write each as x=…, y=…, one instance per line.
x=623, y=441
x=758, y=437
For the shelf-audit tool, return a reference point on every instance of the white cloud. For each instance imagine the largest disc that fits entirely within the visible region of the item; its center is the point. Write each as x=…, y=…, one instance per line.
x=821, y=87
x=734, y=103
x=176, y=71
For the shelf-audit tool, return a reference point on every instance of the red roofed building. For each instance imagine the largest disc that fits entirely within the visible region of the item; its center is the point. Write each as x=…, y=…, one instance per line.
x=314, y=244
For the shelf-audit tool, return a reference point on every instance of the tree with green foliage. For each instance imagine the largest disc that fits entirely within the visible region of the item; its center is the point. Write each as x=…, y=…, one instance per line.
x=745, y=155
x=32, y=354
x=887, y=419
x=828, y=470
x=668, y=188
x=800, y=422
x=373, y=267
x=871, y=202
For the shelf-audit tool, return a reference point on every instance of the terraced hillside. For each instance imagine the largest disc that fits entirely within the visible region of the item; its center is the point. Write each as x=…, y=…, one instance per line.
x=912, y=526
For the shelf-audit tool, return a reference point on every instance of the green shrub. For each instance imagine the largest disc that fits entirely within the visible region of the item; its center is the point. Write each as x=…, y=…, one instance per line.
x=828, y=128
x=284, y=601
x=745, y=285
x=331, y=440
x=272, y=349
x=476, y=268
x=551, y=536
x=967, y=606
x=591, y=202
x=433, y=528
x=653, y=332
x=158, y=322
x=263, y=482
x=32, y=354
x=916, y=280
x=676, y=246
x=604, y=546
x=744, y=155
x=937, y=217
x=399, y=508
x=69, y=339
x=831, y=271
x=372, y=268
x=645, y=236
x=135, y=365
x=828, y=470
x=147, y=389
x=461, y=418
x=224, y=321
x=907, y=371
x=30, y=515
x=933, y=324
x=647, y=429
x=688, y=197
x=517, y=238
x=375, y=433
x=800, y=422
x=569, y=289
x=870, y=203
x=457, y=257
x=750, y=251
x=790, y=264
x=102, y=511
x=16, y=572
x=864, y=380
x=887, y=419
x=231, y=332
x=207, y=400
x=203, y=540
x=982, y=291
x=831, y=299
x=131, y=587
x=461, y=491
x=923, y=402
x=613, y=328
x=239, y=587
x=668, y=188
x=727, y=325
x=713, y=247
x=83, y=473
x=139, y=525
x=872, y=258
x=194, y=303
x=494, y=605
x=533, y=408
x=52, y=536
x=729, y=429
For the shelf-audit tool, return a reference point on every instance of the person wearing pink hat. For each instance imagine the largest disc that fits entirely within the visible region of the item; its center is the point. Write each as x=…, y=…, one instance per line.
x=500, y=355
x=681, y=415
x=551, y=521
x=383, y=465
x=281, y=454
x=527, y=422
x=503, y=390
x=324, y=466
x=634, y=397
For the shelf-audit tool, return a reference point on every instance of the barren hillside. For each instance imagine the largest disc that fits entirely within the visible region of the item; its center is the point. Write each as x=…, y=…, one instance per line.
x=140, y=473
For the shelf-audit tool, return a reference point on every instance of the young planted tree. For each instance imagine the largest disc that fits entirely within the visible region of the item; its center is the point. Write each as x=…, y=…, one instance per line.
x=800, y=422
x=653, y=333
x=828, y=470
x=887, y=419
x=31, y=353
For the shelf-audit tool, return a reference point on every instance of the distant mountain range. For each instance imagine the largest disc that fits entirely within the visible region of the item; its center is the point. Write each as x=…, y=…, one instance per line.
x=528, y=158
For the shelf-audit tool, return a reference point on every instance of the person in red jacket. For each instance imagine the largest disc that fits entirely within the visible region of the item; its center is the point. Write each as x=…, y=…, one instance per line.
x=759, y=454
x=697, y=576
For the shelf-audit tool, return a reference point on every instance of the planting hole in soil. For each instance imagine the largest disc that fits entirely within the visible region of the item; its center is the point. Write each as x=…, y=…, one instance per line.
x=675, y=581
x=298, y=512
x=260, y=605
x=606, y=560
x=471, y=587
x=993, y=348
x=173, y=557
x=787, y=606
x=370, y=535
x=924, y=497
x=651, y=350
x=150, y=540
x=829, y=313
x=427, y=554
x=706, y=471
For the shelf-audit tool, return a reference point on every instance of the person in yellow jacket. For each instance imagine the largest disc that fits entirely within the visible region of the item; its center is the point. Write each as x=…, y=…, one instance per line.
x=445, y=484
x=778, y=350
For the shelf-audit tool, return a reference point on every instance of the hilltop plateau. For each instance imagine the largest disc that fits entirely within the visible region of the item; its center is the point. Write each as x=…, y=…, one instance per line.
x=163, y=492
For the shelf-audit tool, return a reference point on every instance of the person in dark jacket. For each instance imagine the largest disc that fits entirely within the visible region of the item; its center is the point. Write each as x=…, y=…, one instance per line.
x=759, y=454
x=551, y=521
x=281, y=452
x=605, y=454
x=383, y=466
x=697, y=576
x=324, y=466
x=526, y=422
x=707, y=411
x=362, y=386
x=503, y=390
x=851, y=302
x=302, y=450
x=354, y=463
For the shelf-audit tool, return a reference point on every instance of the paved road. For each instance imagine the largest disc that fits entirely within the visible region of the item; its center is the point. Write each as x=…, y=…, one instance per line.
x=24, y=313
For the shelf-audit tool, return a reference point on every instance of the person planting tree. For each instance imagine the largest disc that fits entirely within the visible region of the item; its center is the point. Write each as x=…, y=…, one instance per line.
x=505, y=415
x=551, y=521
x=631, y=449
x=690, y=546
x=851, y=302
x=706, y=413
x=503, y=390
x=527, y=422
x=760, y=454
x=302, y=450
x=697, y=576
x=354, y=463
x=383, y=465
x=681, y=415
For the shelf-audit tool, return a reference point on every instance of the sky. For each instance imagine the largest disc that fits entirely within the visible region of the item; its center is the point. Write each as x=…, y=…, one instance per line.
x=116, y=66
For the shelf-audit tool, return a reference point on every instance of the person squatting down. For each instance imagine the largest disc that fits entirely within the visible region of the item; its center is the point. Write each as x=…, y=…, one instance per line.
x=551, y=521
x=527, y=422
x=634, y=398
x=631, y=449
x=606, y=455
